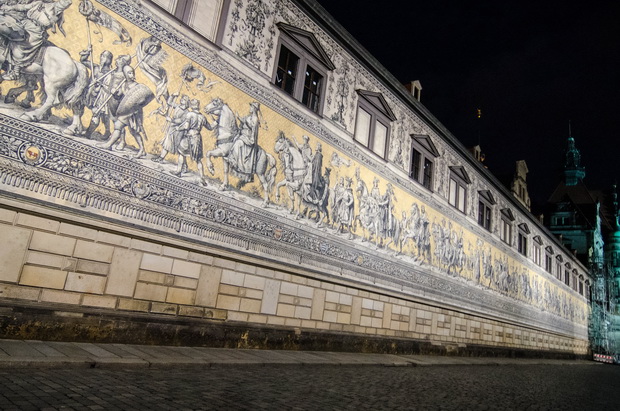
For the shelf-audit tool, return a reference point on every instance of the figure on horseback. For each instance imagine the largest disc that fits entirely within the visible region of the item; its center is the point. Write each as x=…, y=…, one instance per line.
x=26, y=51
x=237, y=145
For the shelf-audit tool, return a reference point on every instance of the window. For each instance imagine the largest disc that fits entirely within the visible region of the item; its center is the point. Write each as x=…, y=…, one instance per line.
x=372, y=122
x=423, y=154
x=558, y=267
x=201, y=15
x=505, y=231
x=302, y=67
x=549, y=260
x=567, y=275
x=485, y=202
x=457, y=191
x=537, y=250
x=522, y=239
x=581, y=284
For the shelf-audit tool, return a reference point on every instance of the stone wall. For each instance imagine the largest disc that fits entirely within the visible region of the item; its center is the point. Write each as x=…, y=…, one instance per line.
x=68, y=272
x=122, y=244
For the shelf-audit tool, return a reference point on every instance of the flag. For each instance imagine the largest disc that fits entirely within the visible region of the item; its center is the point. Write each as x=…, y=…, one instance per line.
x=151, y=56
x=103, y=19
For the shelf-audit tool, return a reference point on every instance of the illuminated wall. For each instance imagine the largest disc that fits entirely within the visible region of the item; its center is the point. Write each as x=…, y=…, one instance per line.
x=233, y=184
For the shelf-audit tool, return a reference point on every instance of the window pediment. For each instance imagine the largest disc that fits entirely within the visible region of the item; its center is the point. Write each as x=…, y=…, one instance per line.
x=487, y=196
x=308, y=42
x=523, y=227
x=426, y=143
x=378, y=102
x=507, y=213
x=460, y=172
x=549, y=249
x=538, y=239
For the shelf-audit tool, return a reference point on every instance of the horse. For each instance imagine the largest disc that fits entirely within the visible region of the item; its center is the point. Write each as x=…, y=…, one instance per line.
x=369, y=212
x=295, y=180
x=227, y=132
x=64, y=81
x=294, y=172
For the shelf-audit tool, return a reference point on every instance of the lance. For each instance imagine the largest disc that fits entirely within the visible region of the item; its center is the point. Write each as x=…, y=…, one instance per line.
x=99, y=108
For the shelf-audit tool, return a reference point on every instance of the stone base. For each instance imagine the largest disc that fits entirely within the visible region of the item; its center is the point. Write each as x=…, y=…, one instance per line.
x=59, y=322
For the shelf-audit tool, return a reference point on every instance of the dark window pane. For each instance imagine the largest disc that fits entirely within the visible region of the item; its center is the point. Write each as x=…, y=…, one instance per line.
x=428, y=173
x=415, y=164
x=312, y=89
x=287, y=70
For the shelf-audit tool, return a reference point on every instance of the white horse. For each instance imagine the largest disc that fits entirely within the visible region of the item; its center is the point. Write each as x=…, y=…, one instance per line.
x=294, y=172
x=226, y=133
x=64, y=81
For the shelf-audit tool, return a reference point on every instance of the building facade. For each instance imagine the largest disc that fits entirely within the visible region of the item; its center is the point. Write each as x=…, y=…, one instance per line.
x=244, y=173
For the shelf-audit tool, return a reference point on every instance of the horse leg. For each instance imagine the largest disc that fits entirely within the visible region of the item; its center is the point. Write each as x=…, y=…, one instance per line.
x=76, y=127
x=265, y=184
x=224, y=185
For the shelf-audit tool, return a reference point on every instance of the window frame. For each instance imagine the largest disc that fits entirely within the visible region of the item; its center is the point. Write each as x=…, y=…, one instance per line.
x=303, y=45
x=182, y=12
x=460, y=181
x=376, y=107
x=485, y=209
x=523, y=239
x=505, y=229
x=537, y=250
x=427, y=153
x=549, y=259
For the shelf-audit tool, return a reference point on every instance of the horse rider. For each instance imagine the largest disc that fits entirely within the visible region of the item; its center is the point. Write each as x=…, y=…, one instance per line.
x=40, y=16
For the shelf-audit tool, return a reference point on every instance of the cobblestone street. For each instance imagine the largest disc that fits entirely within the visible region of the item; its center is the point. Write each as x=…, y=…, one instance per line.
x=520, y=387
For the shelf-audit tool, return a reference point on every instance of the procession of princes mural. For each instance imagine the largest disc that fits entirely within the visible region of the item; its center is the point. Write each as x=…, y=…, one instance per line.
x=99, y=80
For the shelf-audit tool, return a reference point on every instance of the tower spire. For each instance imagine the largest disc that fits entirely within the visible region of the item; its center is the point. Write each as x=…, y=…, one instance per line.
x=573, y=170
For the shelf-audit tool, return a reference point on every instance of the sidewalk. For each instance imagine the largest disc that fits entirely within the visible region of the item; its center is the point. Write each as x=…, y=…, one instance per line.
x=20, y=353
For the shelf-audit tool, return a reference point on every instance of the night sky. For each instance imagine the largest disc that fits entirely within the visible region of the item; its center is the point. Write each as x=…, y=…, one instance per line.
x=529, y=66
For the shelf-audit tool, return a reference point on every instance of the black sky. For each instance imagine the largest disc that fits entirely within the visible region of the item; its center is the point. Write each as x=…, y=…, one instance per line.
x=530, y=66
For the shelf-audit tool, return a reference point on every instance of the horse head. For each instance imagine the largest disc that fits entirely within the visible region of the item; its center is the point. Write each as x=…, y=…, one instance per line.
x=214, y=106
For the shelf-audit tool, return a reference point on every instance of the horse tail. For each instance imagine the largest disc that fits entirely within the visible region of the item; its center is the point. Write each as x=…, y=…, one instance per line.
x=74, y=93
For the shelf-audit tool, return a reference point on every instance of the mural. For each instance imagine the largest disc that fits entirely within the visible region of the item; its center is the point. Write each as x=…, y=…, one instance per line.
x=147, y=103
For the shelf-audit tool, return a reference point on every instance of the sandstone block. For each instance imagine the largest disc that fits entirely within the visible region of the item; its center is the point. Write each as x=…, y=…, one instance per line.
x=12, y=251
x=232, y=278
x=318, y=304
x=45, y=259
x=175, y=252
x=303, y=312
x=133, y=305
x=77, y=231
x=161, y=308
x=93, y=251
x=85, y=283
x=63, y=297
x=39, y=223
x=114, y=239
x=249, y=305
x=157, y=263
x=269, y=304
x=43, y=277
x=185, y=282
x=7, y=216
x=52, y=243
x=102, y=301
x=19, y=292
x=208, y=285
x=228, y=302
x=289, y=288
x=181, y=296
x=253, y=281
x=145, y=246
x=245, y=268
x=92, y=267
x=151, y=292
x=123, y=272
x=151, y=277
x=190, y=311
x=186, y=269
x=200, y=258
x=224, y=263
